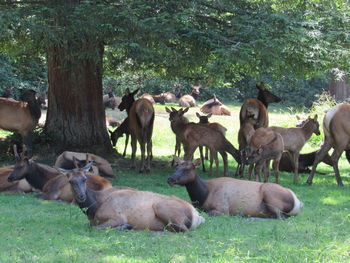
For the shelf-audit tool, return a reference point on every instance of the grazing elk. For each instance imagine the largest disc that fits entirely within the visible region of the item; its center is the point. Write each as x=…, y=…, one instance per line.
x=230, y=196
x=295, y=138
x=204, y=120
x=192, y=135
x=12, y=187
x=117, y=133
x=264, y=145
x=215, y=107
x=100, y=165
x=21, y=116
x=188, y=100
x=112, y=123
x=141, y=119
x=130, y=208
x=336, y=128
x=49, y=181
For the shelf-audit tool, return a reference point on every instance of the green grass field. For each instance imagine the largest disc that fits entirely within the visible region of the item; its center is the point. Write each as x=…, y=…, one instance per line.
x=33, y=230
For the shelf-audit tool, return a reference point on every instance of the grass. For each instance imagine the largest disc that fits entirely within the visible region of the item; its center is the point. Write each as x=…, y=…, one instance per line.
x=33, y=230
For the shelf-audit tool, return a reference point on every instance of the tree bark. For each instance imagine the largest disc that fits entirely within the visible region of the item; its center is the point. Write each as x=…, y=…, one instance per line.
x=339, y=89
x=76, y=117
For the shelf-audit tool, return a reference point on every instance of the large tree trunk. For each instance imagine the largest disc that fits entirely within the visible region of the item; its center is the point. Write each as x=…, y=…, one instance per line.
x=75, y=116
x=339, y=89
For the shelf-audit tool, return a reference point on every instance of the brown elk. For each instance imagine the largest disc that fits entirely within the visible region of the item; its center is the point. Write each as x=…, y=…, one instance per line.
x=204, y=120
x=53, y=185
x=12, y=187
x=160, y=98
x=188, y=100
x=21, y=116
x=117, y=133
x=141, y=119
x=132, y=209
x=295, y=138
x=170, y=97
x=215, y=107
x=336, y=130
x=264, y=145
x=148, y=97
x=192, y=135
x=100, y=165
x=230, y=196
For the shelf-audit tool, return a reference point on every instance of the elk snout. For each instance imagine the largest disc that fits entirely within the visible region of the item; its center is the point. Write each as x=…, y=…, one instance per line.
x=171, y=181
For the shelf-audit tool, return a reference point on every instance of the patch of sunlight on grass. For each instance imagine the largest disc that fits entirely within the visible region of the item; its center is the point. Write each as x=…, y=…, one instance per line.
x=335, y=200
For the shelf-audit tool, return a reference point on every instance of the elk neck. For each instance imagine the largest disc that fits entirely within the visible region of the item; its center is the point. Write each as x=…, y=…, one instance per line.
x=198, y=191
x=90, y=205
x=36, y=177
x=233, y=151
x=307, y=129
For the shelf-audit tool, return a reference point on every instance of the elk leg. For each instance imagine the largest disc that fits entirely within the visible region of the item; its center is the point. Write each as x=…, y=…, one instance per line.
x=258, y=168
x=267, y=170
x=149, y=155
x=215, y=156
x=335, y=158
x=126, y=144
x=177, y=150
x=114, y=224
x=133, y=153
x=276, y=168
x=224, y=159
x=211, y=163
x=28, y=142
x=206, y=153
x=142, y=166
x=250, y=171
x=295, y=158
x=319, y=156
x=202, y=157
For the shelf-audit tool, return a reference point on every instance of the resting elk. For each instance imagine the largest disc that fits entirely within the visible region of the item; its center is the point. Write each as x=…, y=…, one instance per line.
x=141, y=119
x=215, y=107
x=21, y=116
x=117, y=133
x=12, y=187
x=265, y=145
x=228, y=196
x=148, y=97
x=295, y=138
x=100, y=165
x=132, y=209
x=170, y=97
x=188, y=100
x=52, y=184
x=336, y=128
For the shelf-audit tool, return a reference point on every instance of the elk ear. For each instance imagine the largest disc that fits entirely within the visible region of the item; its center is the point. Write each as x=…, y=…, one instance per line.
x=167, y=110
x=197, y=162
x=174, y=110
x=186, y=110
x=127, y=91
x=176, y=159
x=260, y=86
x=87, y=167
x=135, y=92
x=198, y=115
x=209, y=115
x=64, y=171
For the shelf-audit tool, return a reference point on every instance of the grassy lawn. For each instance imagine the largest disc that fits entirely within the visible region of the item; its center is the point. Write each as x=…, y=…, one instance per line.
x=33, y=230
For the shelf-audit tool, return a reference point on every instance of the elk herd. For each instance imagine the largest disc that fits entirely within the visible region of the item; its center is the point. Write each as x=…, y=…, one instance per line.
x=81, y=178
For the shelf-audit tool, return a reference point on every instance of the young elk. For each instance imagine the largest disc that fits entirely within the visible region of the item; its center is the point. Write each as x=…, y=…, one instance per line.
x=295, y=138
x=265, y=145
x=141, y=119
x=214, y=106
x=230, y=196
x=336, y=128
x=193, y=135
x=130, y=208
x=204, y=120
x=119, y=132
x=100, y=165
x=190, y=100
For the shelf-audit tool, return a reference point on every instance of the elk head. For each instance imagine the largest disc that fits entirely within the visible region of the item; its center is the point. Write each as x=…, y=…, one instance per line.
x=185, y=172
x=265, y=95
x=127, y=100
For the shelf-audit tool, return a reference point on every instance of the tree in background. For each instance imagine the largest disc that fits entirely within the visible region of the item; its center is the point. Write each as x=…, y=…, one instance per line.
x=206, y=41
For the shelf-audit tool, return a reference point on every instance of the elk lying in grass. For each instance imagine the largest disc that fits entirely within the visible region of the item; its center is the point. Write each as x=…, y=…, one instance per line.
x=336, y=128
x=265, y=145
x=12, y=187
x=295, y=138
x=110, y=101
x=215, y=107
x=100, y=165
x=193, y=135
x=305, y=160
x=21, y=116
x=170, y=97
x=49, y=181
x=204, y=120
x=235, y=197
x=148, y=97
x=119, y=132
x=188, y=100
x=141, y=119
x=132, y=209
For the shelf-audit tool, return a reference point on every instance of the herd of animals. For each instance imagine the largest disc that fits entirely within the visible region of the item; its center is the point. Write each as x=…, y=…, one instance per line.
x=80, y=178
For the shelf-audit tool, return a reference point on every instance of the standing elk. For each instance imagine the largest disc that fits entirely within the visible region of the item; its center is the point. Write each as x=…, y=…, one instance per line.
x=132, y=209
x=100, y=165
x=188, y=100
x=295, y=138
x=117, y=133
x=228, y=196
x=215, y=107
x=141, y=119
x=21, y=116
x=336, y=128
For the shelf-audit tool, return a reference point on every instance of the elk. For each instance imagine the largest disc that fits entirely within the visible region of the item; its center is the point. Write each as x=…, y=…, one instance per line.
x=21, y=116
x=295, y=138
x=264, y=145
x=188, y=100
x=112, y=123
x=170, y=97
x=141, y=119
x=337, y=136
x=131, y=209
x=192, y=135
x=160, y=98
x=228, y=196
x=100, y=165
x=117, y=133
x=110, y=101
x=148, y=97
x=49, y=181
x=215, y=107
x=12, y=187
x=204, y=120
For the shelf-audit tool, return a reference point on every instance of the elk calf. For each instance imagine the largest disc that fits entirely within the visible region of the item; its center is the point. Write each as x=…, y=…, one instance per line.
x=215, y=107
x=190, y=100
x=117, y=133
